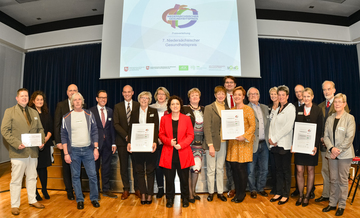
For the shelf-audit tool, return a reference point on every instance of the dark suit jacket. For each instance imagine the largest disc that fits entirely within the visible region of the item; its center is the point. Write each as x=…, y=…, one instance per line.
x=189, y=112
x=108, y=131
x=151, y=117
x=120, y=122
x=314, y=117
x=62, y=108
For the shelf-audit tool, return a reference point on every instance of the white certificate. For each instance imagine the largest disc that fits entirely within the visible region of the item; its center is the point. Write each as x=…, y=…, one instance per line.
x=232, y=123
x=142, y=137
x=31, y=139
x=304, y=137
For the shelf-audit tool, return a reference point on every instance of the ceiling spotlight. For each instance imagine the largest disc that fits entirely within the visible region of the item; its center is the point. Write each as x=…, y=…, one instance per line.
x=312, y=6
x=94, y=9
x=39, y=18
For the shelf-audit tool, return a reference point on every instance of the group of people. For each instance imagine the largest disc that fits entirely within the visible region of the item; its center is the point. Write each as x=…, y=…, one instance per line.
x=183, y=135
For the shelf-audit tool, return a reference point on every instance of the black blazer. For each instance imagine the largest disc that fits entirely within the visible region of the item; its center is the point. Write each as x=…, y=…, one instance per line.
x=189, y=112
x=62, y=108
x=315, y=116
x=120, y=122
x=108, y=131
x=151, y=117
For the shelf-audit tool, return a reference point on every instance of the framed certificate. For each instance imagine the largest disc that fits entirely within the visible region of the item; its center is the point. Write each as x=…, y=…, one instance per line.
x=232, y=124
x=31, y=139
x=142, y=137
x=304, y=137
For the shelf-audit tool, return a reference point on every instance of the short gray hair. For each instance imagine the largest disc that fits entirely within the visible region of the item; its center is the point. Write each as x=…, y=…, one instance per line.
x=283, y=88
x=248, y=92
x=145, y=93
x=328, y=81
x=72, y=99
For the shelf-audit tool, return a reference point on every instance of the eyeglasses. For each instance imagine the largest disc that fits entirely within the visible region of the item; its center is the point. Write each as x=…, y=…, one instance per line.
x=144, y=98
x=253, y=94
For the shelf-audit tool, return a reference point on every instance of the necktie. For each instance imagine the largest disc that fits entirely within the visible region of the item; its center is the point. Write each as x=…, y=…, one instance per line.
x=328, y=104
x=128, y=113
x=102, y=117
x=232, y=101
x=26, y=118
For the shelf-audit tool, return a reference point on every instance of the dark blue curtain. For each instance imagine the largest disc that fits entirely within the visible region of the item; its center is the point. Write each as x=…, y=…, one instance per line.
x=282, y=62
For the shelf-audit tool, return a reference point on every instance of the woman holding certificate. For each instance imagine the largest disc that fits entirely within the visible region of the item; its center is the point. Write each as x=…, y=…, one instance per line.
x=161, y=96
x=339, y=135
x=215, y=146
x=240, y=150
x=176, y=133
x=145, y=162
x=308, y=113
x=280, y=140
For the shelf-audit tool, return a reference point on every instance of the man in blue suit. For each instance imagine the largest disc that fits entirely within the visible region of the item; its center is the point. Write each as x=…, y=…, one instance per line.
x=107, y=147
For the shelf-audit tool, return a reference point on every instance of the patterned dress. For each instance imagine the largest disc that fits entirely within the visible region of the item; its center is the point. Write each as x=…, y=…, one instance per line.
x=196, y=145
x=242, y=152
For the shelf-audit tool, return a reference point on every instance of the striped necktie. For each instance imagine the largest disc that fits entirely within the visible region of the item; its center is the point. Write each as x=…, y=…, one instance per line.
x=128, y=113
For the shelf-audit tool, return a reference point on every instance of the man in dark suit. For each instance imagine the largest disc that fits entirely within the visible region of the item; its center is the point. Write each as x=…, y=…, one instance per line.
x=63, y=108
x=122, y=114
x=327, y=108
x=104, y=121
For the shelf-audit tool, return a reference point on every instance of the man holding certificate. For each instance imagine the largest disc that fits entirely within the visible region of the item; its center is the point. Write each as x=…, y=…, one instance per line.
x=21, y=123
x=305, y=152
x=143, y=140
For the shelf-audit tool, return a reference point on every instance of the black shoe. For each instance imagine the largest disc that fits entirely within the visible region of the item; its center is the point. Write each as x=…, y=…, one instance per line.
x=299, y=201
x=253, y=194
x=169, y=203
x=339, y=212
x=148, y=202
x=160, y=193
x=192, y=200
x=38, y=197
x=197, y=197
x=95, y=203
x=186, y=203
x=263, y=193
x=283, y=202
x=305, y=202
x=328, y=208
x=275, y=199
x=295, y=193
x=210, y=197
x=321, y=199
x=312, y=195
x=143, y=202
x=71, y=197
x=222, y=197
x=80, y=205
x=46, y=194
x=236, y=200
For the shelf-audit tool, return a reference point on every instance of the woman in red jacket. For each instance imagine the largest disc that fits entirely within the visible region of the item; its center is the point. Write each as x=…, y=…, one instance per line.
x=176, y=133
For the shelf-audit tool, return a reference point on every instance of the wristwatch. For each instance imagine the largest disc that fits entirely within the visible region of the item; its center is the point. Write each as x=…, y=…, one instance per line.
x=96, y=147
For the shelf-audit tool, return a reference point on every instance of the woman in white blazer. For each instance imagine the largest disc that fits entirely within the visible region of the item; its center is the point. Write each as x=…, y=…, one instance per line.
x=339, y=135
x=280, y=140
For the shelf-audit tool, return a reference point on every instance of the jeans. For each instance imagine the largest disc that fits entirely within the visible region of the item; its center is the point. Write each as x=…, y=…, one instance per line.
x=86, y=156
x=257, y=180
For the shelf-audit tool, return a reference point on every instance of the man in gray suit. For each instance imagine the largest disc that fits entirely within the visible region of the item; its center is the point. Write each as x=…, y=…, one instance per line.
x=18, y=120
x=260, y=146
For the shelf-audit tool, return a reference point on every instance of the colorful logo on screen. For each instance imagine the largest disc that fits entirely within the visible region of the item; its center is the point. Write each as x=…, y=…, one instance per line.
x=174, y=15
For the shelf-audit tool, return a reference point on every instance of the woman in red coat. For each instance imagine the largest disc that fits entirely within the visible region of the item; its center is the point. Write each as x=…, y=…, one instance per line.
x=176, y=133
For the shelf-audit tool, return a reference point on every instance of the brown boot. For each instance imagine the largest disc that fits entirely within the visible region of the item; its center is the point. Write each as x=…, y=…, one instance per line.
x=125, y=195
x=109, y=194
x=37, y=205
x=15, y=211
x=231, y=193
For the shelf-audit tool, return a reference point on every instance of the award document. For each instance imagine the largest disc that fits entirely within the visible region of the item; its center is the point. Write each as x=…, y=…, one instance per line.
x=142, y=137
x=304, y=137
x=31, y=139
x=232, y=124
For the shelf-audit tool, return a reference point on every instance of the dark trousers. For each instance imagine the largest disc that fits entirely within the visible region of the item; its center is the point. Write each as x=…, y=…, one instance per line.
x=124, y=156
x=159, y=170
x=104, y=160
x=170, y=179
x=145, y=164
x=67, y=174
x=240, y=178
x=43, y=174
x=283, y=173
x=272, y=170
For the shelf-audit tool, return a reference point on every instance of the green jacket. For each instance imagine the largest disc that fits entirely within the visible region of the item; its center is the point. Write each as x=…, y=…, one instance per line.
x=14, y=124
